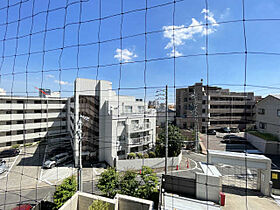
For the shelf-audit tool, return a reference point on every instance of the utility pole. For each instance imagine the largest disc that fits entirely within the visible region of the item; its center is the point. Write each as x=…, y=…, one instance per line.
x=166, y=129
x=196, y=122
x=80, y=138
x=160, y=96
x=79, y=171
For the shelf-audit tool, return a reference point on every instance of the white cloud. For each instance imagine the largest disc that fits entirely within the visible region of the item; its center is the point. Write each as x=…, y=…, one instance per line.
x=50, y=76
x=225, y=13
x=174, y=53
x=61, y=82
x=124, y=55
x=178, y=34
x=2, y=92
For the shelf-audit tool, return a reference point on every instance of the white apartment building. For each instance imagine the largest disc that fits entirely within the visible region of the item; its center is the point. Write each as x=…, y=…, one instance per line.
x=30, y=119
x=268, y=115
x=116, y=124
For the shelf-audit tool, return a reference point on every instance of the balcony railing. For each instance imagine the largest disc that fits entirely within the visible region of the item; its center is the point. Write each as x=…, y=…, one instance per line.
x=139, y=127
x=140, y=140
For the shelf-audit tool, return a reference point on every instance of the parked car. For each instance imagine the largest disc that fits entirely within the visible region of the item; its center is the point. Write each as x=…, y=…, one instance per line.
x=26, y=206
x=211, y=132
x=3, y=167
x=224, y=130
x=234, y=139
x=57, y=151
x=9, y=153
x=57, y=160
x=234, y=130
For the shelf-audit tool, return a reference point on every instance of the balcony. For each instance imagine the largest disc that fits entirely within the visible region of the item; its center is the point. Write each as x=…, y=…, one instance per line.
x=139, y=127
x=140, y=140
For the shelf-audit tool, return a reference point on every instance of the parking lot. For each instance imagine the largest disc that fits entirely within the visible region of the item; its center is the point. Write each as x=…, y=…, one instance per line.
x=9, y=163
x=213, y=142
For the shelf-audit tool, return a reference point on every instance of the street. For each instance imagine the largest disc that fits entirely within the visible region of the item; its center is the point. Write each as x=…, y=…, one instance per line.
x=12, y=198
x=26, y=180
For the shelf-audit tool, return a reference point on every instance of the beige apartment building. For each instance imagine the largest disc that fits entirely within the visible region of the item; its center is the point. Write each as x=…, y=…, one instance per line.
x=268, y=115
x=31, y=119
x=213, y=110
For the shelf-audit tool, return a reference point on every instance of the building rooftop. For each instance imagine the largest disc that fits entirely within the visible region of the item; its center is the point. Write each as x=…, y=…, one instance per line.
x=276, y=96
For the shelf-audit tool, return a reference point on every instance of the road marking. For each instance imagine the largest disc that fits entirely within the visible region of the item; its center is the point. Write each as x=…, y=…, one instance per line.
x=10, y=168
x=44, y=158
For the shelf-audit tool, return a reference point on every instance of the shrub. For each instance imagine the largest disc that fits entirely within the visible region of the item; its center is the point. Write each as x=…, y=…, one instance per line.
x=152, y=154
x=146, y=156
x=131, y=155
x=64, y=191
x=265, y=136
x=15, y=146
x=139, y=155
x=28, y=144
x=99, y=205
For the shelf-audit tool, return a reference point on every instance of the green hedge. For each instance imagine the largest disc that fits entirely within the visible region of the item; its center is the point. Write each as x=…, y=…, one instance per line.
x=265, y=136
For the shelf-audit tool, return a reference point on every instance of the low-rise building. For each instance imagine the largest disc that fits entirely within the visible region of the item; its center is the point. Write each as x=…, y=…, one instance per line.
x=116, y=125
x=268, y=115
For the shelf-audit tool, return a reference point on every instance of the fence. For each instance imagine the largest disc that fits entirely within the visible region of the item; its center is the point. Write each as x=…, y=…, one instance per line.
x=136, y=164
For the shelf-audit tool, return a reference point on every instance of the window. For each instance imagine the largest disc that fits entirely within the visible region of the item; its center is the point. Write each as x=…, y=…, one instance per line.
x=37, y=102
x=203, y=110
x=278, y=112
x=204, y=102
x=121, y=123
x=19, y=132
x=37, y=120
x=8, y=102
x=262, y=125
x=8, y=133
x=140, y=109
x=19, y=111
x=37, y=130
x=20, y=102
x=20, y=122
x=121, y=138
x=121, y=152
x=261, y=111
x=128, y=109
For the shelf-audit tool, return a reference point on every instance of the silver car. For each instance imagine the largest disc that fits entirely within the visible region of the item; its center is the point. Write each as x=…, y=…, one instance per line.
x=56, y=160
x=3, y=167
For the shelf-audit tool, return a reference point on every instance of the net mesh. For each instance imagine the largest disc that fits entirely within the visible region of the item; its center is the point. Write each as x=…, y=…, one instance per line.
x=142, y=47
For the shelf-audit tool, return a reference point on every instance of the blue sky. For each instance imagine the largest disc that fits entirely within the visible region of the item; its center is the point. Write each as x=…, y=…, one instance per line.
x=224, y=37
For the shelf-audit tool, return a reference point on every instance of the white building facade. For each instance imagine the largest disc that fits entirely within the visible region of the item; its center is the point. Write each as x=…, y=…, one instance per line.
x=31, y=119
x=117, y=124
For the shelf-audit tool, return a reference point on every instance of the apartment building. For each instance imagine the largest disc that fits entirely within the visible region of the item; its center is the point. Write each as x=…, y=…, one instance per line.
x=30, y=119
x=112, y=125
x=268, y=115
x=215, y=109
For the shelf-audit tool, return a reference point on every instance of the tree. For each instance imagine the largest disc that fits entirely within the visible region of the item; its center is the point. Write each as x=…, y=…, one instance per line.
x=128, y=183
x=148, y=183
x=108, y=183
x=142, y=185
x=99, y=205
x=65, y=191
x=175, y=139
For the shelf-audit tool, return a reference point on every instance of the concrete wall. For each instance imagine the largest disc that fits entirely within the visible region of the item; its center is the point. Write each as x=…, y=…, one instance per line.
x=208, y=187
x=126, y=202
x=136, y=164
x=266, y=147
x=81, y=201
